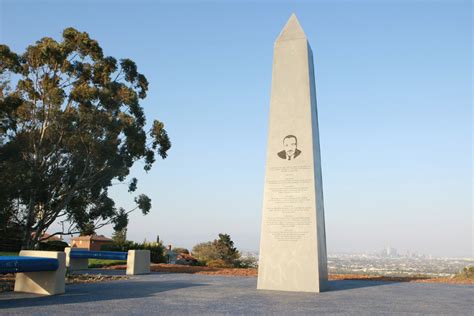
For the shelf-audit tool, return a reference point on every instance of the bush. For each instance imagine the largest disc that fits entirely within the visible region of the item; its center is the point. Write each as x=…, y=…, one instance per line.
x=127, y=245
x=199, y=264
x=156, y=249
x=248, y=262
x=181, y=250
x=53, y=245
x=466, y=273
x=218, y=263
x=222, y=249
x=11, y=236
x=205, y=252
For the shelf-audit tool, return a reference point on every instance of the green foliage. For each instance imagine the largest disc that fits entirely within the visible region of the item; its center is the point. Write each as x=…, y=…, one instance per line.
x=87, y=229
x=466, y=273
x=247, y=262
x=53, y=245
x=225, y=249
x=205, y=252
x=120, y=237
x=157, y=250
x=144, y=203
x=218, y=263
x=219, y=249
x=121, y=220
x=70, y=124
x=4, y=253
x=11, y=236
x=100, y=263
x=127, y=245
x=181, y=250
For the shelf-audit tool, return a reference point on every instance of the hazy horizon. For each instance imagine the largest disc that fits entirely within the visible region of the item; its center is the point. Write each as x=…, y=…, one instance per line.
x=394, y=94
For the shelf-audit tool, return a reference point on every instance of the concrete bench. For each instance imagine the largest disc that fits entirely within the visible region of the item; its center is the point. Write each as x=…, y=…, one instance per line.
x=39, y=272
x=138, y=261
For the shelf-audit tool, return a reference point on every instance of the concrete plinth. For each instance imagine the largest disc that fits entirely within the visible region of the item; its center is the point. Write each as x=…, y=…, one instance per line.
x=42, y=282
x=138, y=262
x=74, y=264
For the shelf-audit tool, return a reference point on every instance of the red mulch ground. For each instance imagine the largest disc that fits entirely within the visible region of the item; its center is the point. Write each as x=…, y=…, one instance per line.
x=7, y=280
x=174, y=268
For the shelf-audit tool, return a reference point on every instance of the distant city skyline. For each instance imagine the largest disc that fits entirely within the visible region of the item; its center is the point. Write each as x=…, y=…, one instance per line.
x=394, y=94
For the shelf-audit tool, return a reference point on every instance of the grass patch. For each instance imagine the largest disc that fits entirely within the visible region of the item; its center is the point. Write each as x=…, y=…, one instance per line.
x=4, y=253
x=100, y=263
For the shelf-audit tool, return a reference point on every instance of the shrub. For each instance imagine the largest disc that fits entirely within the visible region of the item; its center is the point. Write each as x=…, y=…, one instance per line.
x=53, y=245
x=218, y=263
x=156, y=249
x=11, y=235
x=247, y=262
x=226, y=250
x=205, y=252
x=466, y=273
x=181, y=250
x=222, y=249
x=125, y=246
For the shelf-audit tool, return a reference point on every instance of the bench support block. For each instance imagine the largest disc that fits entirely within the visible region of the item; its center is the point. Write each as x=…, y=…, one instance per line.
x=42, y=282
x=138, y=262
x=74, y=264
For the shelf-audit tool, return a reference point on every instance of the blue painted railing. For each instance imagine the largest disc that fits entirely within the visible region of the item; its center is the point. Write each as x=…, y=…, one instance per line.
x=87, y=254
x=14, y=264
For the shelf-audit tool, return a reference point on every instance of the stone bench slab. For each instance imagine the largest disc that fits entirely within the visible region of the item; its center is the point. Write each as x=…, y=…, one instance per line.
x=41, y=282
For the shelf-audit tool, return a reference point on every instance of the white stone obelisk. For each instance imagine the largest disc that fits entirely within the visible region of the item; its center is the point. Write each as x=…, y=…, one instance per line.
x=293, y=238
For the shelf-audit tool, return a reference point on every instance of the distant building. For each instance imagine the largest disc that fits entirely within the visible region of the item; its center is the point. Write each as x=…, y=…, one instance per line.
x=179, y=258
x=391, y=252
x=91, y=242
x=185, y=259
x=170, y=255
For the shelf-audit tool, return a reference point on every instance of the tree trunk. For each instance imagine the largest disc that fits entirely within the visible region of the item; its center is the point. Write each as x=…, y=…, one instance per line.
x=27, y=238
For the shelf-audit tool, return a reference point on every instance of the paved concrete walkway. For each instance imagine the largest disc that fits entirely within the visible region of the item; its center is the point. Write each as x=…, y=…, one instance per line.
x=177, y=294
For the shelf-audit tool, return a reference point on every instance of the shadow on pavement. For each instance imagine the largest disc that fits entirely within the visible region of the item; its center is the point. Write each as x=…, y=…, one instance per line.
x=80, y=293
x=354, y=282
x=341, y=285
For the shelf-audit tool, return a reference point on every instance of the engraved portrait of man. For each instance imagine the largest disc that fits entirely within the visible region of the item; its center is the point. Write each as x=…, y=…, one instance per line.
x=290, y=148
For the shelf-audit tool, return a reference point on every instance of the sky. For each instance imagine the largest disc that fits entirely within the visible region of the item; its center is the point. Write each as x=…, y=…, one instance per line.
x=394, y=92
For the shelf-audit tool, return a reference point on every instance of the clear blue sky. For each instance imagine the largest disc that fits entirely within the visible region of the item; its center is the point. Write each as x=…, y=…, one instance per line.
x=394, y=90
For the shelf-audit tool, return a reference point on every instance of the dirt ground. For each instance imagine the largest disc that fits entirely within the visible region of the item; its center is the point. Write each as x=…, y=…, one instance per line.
x=174, y=268
x=7, y=280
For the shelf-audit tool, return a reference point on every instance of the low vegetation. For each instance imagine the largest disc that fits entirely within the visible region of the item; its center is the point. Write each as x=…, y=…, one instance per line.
x=221, y=253
x=157, y=250
x=100, y=263
x=465, y=274
x=180, y=250
x=218, y=253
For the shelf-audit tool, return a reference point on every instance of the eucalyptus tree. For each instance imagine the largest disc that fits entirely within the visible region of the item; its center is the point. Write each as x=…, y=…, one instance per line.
x=71, y=125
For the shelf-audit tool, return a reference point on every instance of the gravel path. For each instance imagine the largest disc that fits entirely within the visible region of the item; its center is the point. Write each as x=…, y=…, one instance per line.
x=178, y=294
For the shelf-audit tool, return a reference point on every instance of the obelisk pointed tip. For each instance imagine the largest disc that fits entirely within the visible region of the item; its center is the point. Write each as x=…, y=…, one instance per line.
x=292, y=30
